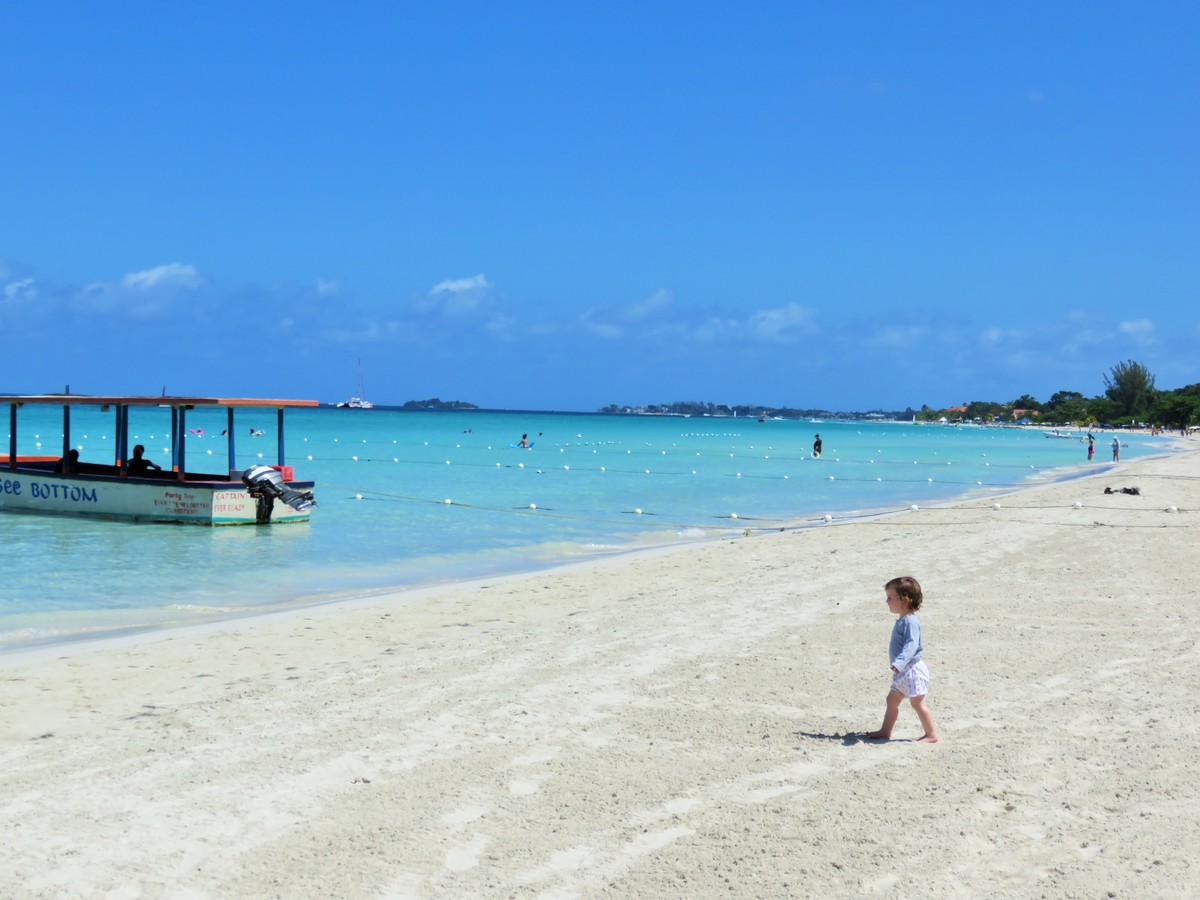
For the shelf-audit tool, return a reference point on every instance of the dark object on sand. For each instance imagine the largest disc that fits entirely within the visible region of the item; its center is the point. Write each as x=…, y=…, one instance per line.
x=1132, y=490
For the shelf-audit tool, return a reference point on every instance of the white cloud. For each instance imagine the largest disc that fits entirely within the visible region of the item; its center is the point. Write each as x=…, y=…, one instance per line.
x=1141, y=330
x=779, y=324
x=901, y=336
x=20, y=290
x=605, y=330
x=1001, y=335
x=327, y=287
x=459, y=285
x=660, y=299
x=172, y=275
x=458, y=296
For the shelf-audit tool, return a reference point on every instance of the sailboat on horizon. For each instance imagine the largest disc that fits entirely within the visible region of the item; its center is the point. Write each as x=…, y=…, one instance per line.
x=359, y=401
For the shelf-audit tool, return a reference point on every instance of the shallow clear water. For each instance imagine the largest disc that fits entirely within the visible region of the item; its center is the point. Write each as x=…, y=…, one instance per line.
x=383, y=477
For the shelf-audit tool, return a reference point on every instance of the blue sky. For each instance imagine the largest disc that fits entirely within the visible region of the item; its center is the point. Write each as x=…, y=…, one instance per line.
x=565, y=205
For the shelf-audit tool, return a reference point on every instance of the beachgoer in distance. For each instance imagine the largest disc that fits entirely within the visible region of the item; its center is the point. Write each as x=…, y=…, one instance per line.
x=68, y=462
x=524, y=441
x=817, y=446
x=139, y=465
x=1116, y=445
x=910, y=675
x=1091, y=447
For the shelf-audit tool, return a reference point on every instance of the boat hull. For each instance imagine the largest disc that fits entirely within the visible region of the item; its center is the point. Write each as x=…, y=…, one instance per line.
x=195, y=501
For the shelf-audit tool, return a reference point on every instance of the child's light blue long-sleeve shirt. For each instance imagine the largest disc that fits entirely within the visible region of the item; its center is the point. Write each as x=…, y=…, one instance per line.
x=905, y=648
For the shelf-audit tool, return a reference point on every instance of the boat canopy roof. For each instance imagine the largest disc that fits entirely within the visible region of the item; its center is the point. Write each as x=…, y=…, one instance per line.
x=174, y=402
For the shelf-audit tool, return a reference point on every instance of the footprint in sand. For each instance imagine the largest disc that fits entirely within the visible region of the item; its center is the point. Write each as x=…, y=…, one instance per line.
x=676, y=807
x=459, y=818
x=466, y=856
x=523, y=787
x=539, y=755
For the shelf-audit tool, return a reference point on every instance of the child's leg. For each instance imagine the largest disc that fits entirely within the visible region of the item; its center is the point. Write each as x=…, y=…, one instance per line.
x=889, y=717
x=930, y=736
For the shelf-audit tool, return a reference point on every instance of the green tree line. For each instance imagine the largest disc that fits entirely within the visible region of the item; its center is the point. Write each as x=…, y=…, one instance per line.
x=1130, y=398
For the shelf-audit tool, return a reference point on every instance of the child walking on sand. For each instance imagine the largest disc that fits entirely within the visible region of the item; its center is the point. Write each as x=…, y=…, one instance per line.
x=910, y=675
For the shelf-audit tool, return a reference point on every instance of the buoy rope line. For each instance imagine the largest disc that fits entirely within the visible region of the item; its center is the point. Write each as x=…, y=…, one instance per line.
x=675, y=454
x=873, y=517
x=680, y=474
x=532, y=509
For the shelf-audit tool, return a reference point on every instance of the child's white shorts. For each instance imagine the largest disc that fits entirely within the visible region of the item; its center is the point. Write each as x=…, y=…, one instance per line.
x=914, y=681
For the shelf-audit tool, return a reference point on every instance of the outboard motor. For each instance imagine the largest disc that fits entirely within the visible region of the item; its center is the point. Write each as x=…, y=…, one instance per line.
x=266, y=484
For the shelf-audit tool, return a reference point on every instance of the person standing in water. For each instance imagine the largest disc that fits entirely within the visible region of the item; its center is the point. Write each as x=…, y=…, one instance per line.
x=817, y=447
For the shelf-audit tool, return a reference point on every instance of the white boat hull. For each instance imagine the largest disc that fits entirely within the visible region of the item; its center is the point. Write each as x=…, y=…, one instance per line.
x=193, y=502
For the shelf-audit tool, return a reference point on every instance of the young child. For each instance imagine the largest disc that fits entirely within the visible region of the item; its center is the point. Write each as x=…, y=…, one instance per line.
x=910, y=675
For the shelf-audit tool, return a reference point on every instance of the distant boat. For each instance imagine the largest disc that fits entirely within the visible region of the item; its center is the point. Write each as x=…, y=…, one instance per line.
x=358, y=401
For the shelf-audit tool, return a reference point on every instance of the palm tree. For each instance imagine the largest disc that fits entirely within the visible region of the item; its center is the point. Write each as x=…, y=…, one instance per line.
x=1131, y=386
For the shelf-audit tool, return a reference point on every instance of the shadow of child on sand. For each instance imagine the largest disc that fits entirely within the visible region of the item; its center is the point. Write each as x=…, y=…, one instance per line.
x=850, y=738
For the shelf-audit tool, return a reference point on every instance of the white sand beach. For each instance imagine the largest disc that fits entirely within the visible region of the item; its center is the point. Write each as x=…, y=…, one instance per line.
x=678, y=723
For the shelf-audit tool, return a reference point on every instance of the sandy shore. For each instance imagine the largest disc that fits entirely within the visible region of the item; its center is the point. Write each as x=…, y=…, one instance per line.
x=673, y=724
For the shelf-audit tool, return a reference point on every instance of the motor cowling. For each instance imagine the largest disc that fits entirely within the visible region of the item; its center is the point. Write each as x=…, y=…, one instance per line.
x=266, y=482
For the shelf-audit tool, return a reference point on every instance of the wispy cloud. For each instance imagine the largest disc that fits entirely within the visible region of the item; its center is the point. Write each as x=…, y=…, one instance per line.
x=996, y=335
x=172, y=275
x=779, y=325
x=458, y=296
x=655, y=303
x=659, y=319
x=21, y=291
x=459, y=285
x=1141, y=330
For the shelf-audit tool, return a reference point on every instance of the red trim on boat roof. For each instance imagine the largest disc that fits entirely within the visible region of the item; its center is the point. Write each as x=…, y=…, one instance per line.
x=81, y=399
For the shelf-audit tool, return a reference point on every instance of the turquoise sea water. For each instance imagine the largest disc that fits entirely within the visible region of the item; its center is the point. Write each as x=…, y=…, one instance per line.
x=590, y=485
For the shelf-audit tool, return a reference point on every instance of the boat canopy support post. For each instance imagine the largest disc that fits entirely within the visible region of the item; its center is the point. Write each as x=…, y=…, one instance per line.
x=279, y=431
x=229, y=431
x=12, y=435
x=122, y=428
x=179, y=463
x=66, y=434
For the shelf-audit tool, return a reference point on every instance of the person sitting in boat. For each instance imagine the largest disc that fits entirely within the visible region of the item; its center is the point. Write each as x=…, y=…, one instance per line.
x=68, y=463
x=139, y=465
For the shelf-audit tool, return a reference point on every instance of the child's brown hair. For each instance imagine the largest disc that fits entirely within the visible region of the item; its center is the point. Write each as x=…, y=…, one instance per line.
x=908, y=589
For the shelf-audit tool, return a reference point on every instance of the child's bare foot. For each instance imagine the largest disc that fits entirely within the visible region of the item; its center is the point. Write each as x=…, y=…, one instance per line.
x=879, y=736
x=927, y=739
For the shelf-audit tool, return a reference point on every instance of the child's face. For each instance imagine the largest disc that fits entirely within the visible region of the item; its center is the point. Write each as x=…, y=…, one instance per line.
x=896, y=604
